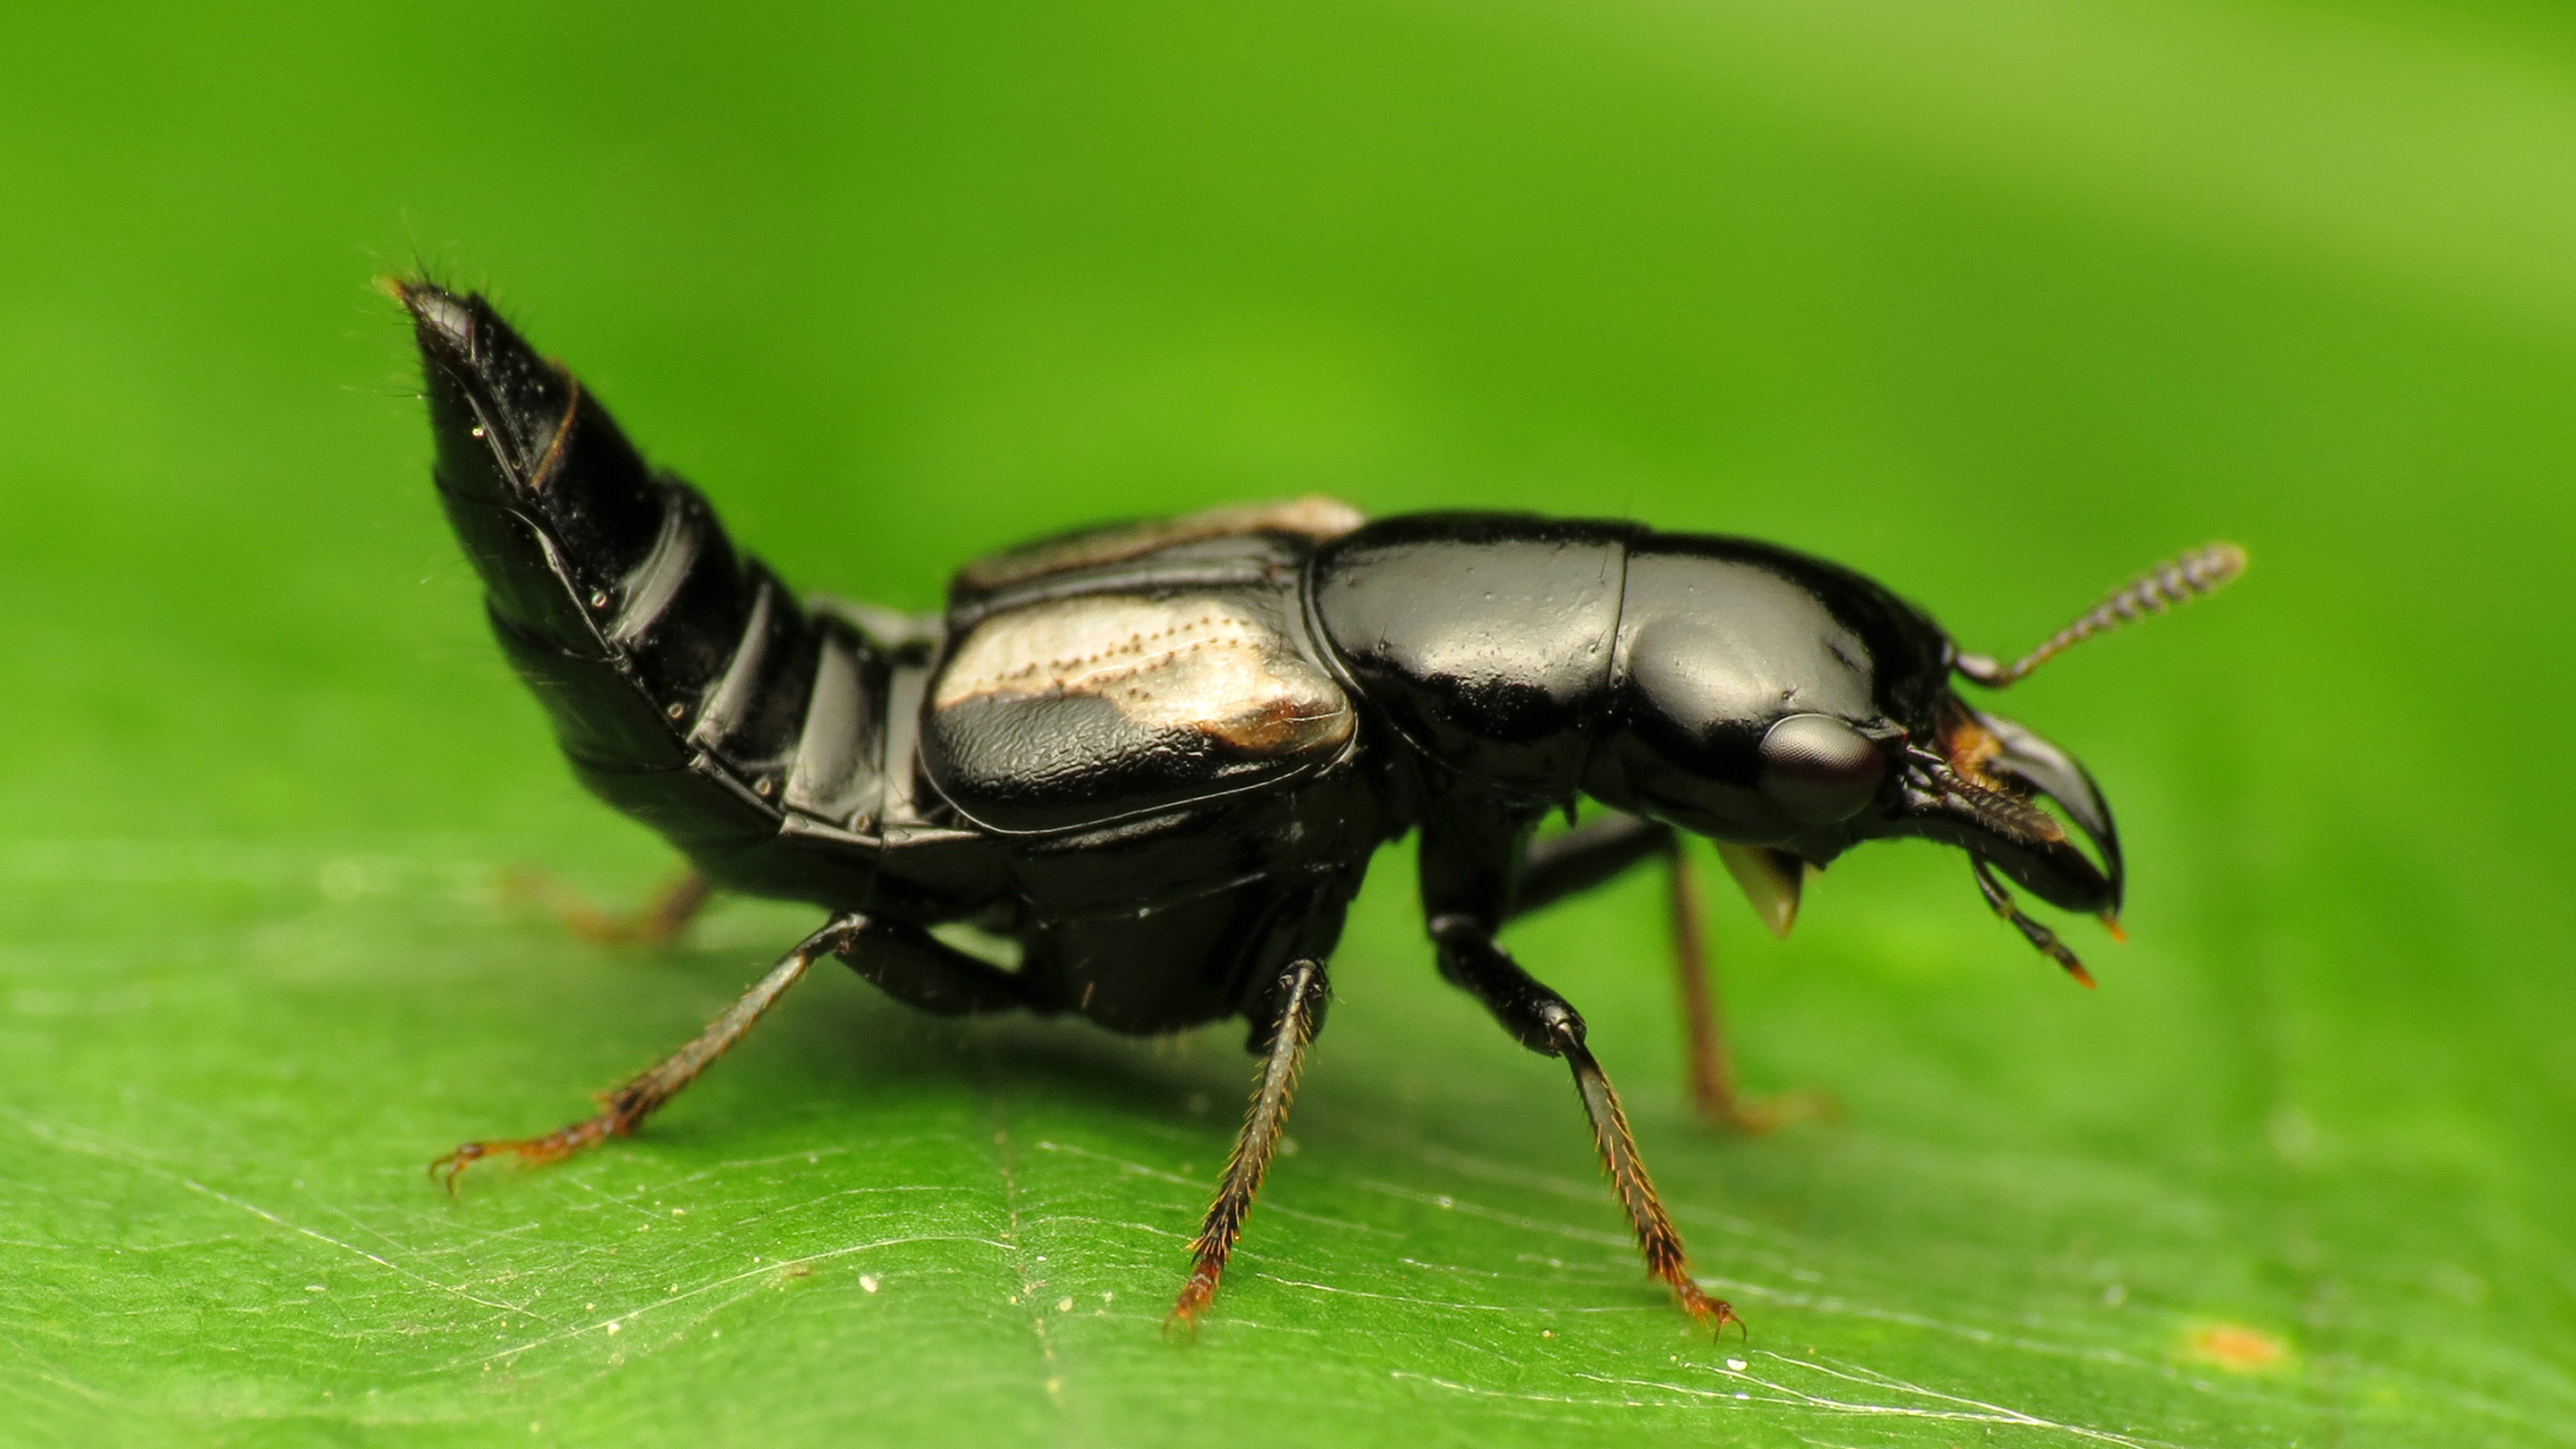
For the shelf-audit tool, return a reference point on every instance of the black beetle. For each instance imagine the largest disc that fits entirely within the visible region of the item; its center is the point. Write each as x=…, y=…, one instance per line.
x=1159, y=756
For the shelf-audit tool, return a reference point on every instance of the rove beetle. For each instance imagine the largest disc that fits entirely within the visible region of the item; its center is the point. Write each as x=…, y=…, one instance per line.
x=1158, y=756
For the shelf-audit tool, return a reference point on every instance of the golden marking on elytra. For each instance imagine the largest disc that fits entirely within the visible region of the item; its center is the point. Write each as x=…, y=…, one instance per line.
x=1195, y=662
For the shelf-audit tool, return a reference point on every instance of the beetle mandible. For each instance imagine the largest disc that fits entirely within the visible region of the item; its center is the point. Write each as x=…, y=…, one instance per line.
x=1159, y=756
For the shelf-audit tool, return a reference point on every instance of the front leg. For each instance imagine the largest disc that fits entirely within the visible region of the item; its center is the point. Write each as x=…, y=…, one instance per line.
x=1468, y=864
x=1607, y=846
x=1546, y=1023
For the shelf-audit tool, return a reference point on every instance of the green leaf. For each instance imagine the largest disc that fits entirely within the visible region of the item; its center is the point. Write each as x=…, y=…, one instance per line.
x=1998, y=303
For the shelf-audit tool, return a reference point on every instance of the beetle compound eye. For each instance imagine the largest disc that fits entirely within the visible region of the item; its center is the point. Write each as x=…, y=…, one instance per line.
x=1819, y=768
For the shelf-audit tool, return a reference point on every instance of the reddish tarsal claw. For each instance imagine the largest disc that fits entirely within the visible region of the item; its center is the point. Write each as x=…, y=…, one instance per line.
x=445, y=1170
x=1196, y=1296
x=1716, y=1313
x=555, y=1146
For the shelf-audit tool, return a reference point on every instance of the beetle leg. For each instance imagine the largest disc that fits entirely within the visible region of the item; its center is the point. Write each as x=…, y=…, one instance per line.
x=658, y=922
x=1712, y=1065
x=1656, y=1238
x=1546, y=1023
x=927, y=974
x=631, y=1103
x=1712, y=1061
x=1609, y=845
x=1299, y=1017
x=1593, y=853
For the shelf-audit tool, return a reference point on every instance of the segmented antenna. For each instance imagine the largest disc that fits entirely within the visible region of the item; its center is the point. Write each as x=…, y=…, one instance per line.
x=2204, y=570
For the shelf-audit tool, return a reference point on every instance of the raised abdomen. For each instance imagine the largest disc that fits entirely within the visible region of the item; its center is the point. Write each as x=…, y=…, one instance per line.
x=686, y=685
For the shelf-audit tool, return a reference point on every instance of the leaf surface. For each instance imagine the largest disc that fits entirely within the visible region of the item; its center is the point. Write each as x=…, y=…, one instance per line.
x=1998, y=309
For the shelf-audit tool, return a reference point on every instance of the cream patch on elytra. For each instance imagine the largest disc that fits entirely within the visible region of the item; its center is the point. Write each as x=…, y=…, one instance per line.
x=1195, y=662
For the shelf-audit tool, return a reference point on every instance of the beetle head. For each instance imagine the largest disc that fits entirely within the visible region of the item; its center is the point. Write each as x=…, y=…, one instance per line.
x=1982, y=782
x=1789, y=709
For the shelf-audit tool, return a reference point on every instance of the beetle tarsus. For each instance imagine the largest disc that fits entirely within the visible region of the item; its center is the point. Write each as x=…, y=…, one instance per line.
x=555, y=1146
x=1666, y=1259
x=1299, y=1015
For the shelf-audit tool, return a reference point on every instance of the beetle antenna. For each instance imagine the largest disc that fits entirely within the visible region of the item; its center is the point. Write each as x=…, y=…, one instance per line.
x=2204, y=570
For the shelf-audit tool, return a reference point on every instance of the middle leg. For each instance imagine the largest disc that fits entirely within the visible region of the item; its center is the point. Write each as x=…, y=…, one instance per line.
x=1714, y=1089
x=902, y=960
x=1297, y=1015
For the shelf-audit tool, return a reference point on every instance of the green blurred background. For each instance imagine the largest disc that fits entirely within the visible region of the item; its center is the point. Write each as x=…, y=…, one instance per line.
x=1998, y=301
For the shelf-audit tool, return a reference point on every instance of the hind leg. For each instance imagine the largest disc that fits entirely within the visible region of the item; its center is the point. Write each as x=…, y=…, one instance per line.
x=904, y=961
x=625, y=1108
x=658, y=922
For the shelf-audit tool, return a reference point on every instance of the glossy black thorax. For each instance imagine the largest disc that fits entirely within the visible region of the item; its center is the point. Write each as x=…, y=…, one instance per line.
x=1550, y=659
